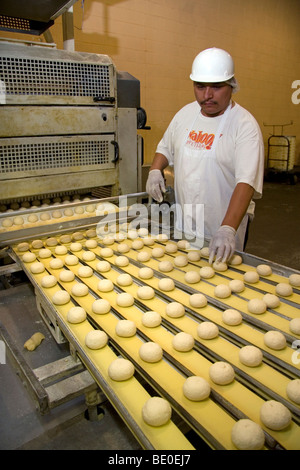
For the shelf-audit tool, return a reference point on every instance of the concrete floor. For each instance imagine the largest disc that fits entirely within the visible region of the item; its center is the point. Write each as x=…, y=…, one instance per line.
x=274, y=235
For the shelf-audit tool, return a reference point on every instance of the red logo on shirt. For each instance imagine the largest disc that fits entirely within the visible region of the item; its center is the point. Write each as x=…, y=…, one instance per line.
x=198, y=140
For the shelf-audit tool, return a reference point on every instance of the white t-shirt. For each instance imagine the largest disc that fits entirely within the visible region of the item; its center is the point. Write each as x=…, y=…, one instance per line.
x=238, y=158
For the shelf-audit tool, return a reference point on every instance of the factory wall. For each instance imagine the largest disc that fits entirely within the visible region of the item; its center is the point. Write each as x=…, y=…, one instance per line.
x=157, y=40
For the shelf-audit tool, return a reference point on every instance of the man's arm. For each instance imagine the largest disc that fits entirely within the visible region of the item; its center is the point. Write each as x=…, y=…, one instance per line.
x=239, y=202
x=160, y=162
x=222, y=244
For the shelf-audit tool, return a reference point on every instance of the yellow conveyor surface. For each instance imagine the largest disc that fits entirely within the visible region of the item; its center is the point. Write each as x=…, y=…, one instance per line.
x=212, y=418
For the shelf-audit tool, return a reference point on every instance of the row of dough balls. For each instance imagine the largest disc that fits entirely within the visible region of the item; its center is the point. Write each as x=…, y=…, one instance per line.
x=54, y=241
x=36, y=203
x=266, y=270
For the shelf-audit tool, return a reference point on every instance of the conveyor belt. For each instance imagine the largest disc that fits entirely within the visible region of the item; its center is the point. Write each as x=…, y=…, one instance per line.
x=251, y=386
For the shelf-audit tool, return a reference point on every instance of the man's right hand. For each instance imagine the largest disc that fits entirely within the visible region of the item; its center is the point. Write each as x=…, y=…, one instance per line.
x=155, y=185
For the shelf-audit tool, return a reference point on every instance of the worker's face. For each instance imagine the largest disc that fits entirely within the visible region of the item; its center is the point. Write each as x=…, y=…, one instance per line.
x=212, y=97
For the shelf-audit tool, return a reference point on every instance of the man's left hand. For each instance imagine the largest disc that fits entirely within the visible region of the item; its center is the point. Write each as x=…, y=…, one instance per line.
x=222, y=245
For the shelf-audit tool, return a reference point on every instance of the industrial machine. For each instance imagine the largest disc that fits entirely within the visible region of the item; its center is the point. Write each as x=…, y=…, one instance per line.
x=70, y=180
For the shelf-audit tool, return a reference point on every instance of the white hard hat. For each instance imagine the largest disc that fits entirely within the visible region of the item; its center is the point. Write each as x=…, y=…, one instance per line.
x=212, y=65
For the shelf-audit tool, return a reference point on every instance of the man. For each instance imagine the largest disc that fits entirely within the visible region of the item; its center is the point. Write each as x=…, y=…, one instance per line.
x=217, y=151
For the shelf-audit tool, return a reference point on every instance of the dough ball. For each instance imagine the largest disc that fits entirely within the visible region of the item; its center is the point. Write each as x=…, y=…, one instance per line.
x=96, y=339
x=166, y=284
x=158, y=252
x=66, y=276
x=221, y=373
x=235, y=260
x=207, y=330
x=56, y=263
x=232, y=317
x=76, y=246
x=183, y=244
x=198, y=300
x=125, y=328
x=247, y=435
x=192, y=277
x=90, y=244
x=103, y=266
x=196, y=388
x=108, y=240
x=28, y=257
x=165, y=266
x=251, y=277
x=151, y=352
x=68, y=212
x=124, y=280
x=123, y=248
x=143, y=232
x=125, y=300
x=48, y=281
x=23, y=246
x=106, y=252
x=52, y=241
x=7, y=223
x=257, y=306
x=60, y=250
x=37, y=244
x=171, y=248
x=91, y=233
x=236, y=286
x=146, y=273
x=143, y=256
x=250, y=356
x=148, y=241
x=207, y=272
x=76, y=315
x=61, y=297
x=194, y=256
x=264, y=270
x=88, y=256
x=293, y=390
x=45, y=216
x=275, y=415
x=105, y=285
x=18, y=220
x=295, y=326
x=156, y=411
x=175, y=310
x=45, y=253
x=137, y=244
x=101, y=306
x=219, y=266
x=163, y=237
x=222, y=291
x=151, y=319
x=183, y=342
x=85, y=271
x=71, y=260
x=79, y=289
x=132, y=234
x=275, y=340
x=283, y=289
x=294, y=280
x=181, y=260
x=145, y=293
x=65, y=239
x=122, y=261
x=37, y=267
x=272, y=301
x=120, y=369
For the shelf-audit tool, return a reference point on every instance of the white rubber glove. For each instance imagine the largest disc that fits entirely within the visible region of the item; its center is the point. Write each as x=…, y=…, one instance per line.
x=222, y=245
x=155, y=185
